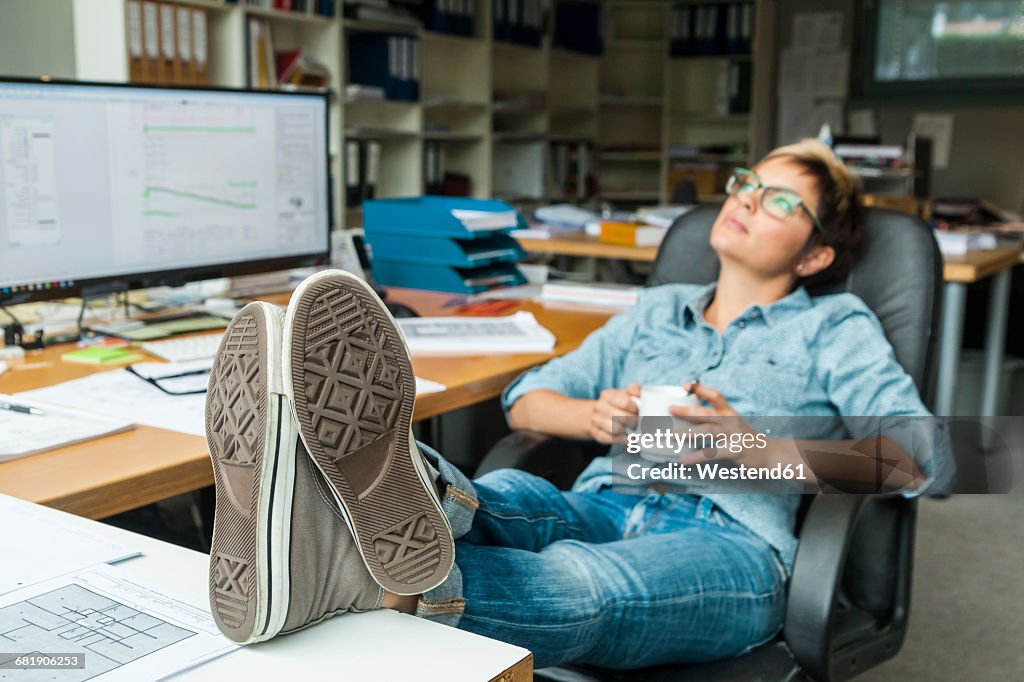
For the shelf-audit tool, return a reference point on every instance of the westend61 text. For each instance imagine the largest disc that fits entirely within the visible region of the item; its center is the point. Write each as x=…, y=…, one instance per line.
x=713, y=471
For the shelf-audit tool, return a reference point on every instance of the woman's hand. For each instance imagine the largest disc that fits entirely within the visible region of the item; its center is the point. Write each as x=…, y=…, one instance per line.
x=612, y=412
x=719, y=418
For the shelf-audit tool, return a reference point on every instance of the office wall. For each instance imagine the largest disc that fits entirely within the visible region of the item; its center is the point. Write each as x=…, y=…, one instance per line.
x=987, y=154
x=51, y=36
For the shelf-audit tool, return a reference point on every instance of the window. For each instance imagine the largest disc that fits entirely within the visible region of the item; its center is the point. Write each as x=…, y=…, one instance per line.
x=951, y=48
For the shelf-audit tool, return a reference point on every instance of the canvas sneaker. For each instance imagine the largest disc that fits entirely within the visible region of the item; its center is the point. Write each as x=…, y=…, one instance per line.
x=349, y=379
x=280, y=558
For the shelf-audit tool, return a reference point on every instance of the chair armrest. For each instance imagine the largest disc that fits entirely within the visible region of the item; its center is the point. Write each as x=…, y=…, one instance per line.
x=557, y=459
x=817, y=576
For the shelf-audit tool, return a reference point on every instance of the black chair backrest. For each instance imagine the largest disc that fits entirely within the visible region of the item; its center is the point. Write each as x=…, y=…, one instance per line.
x=899, y=276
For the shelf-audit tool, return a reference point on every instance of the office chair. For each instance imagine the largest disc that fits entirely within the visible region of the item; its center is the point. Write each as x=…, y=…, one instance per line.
x=849, y=595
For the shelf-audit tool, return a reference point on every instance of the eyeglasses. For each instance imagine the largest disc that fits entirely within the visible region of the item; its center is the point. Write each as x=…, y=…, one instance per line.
x=778, y=202
x=156, y=381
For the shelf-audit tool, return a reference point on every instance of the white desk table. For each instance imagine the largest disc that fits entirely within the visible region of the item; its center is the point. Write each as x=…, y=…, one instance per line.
x=380, y=645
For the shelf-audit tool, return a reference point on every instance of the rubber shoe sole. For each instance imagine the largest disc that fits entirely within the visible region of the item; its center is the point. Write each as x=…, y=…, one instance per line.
x=251, y=435
x=353, y=390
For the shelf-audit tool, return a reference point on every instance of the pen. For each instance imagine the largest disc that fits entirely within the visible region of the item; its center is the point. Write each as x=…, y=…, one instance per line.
x=20, y=409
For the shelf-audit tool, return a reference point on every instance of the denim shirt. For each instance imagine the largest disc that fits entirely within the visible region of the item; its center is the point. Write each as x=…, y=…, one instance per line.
x=825, y=357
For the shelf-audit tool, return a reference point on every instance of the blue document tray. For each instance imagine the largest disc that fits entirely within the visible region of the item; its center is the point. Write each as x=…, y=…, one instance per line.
x=464, y=253
x=446, y=278
x=430, y=215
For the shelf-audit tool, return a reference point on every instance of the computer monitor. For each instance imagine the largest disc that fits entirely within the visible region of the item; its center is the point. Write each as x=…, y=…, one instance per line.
x=106, y=187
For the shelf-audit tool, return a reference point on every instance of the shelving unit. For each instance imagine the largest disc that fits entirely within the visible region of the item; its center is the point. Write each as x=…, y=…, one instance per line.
x=498, y=111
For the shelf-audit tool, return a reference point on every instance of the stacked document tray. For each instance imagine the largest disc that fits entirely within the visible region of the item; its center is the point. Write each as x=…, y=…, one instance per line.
x=443, y=243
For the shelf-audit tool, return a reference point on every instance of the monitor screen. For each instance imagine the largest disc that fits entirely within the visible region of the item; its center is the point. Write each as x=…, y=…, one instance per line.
x=137, y=186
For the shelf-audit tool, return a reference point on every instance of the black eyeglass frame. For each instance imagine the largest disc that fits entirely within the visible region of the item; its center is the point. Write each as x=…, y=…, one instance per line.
x=732, y=188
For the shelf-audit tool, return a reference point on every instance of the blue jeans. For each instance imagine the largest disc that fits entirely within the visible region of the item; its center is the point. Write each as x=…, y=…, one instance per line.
x=609, y=579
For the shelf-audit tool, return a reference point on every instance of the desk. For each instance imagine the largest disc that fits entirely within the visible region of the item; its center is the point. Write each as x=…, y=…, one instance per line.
x=106, y=476
x=355, y=646
x=958, y=272
x=584, y=245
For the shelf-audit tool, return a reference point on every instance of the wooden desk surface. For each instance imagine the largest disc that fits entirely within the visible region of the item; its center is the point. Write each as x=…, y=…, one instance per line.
x=977, y=265
x=582, y=244
x=966, y=269
x=120, y=472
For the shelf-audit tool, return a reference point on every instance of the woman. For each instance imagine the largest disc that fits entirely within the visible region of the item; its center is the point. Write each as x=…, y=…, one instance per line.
x=621, y=573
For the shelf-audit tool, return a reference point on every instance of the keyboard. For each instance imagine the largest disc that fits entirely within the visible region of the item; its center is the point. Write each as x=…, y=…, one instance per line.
x=185, y=348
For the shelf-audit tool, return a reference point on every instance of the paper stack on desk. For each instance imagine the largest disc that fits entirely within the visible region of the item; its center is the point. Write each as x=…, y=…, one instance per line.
x=610, y=295
x=960, y=243
x=69, y=546
x=28, y=427
x=519, y=333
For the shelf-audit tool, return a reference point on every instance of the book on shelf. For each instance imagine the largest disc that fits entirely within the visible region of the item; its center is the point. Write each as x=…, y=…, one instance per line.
x=571, y=172
x=262, y=63
x=519, y=21
x=361, y=170
x=382, y=12
x=455, y=17
x=388, y=61
x=297, y=68
x=711, y=29
x=578, y=26
x=323, y=8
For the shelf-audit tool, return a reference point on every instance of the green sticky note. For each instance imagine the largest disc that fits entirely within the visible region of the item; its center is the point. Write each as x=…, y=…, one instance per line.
x=103, y=355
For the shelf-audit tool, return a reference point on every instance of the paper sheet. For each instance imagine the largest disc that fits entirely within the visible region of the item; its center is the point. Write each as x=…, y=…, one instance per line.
x=518, y=333
x=55, y=426
x=796, y=96
x=68, y=547
x=831, y=73
x=123, y=630
x=817, y=29
x=119, y=394
x=425, y=386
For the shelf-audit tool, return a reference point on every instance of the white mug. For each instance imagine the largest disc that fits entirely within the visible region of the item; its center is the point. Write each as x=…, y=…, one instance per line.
x=654, y=401
x=653, y=405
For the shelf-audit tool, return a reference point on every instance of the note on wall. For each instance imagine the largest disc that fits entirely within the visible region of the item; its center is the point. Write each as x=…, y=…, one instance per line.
x=795, y=94
x=831, y=73
x=817, y=29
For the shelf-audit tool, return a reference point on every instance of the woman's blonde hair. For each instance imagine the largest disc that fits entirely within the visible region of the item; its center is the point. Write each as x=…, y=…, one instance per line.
x=839, y=205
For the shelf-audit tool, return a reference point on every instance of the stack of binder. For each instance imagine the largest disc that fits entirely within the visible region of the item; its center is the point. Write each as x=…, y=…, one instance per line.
x=571, y=172
x=455, y=17
x=739, y=85
x=519, y=21
x=578, y=26
x=166, y=43
x=362, y=168
x=390, y=61
x=443, y=244
x=724, y=28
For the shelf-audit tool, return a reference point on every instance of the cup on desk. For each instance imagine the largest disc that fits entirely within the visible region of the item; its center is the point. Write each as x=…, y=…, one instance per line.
x=653, y=408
